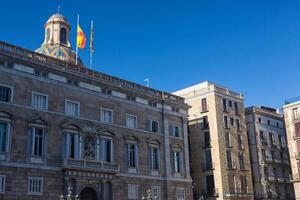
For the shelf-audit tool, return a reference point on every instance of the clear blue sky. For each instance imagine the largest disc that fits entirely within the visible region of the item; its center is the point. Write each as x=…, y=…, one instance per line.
x=250, y=46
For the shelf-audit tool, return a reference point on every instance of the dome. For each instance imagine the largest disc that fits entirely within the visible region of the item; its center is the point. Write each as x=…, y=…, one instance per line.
x=57, y=18
x=57, y=40
x=59, y=51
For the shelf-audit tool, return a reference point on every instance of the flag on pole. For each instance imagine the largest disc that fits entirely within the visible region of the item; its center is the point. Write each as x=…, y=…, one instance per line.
x=92, y=38
x=81, y=39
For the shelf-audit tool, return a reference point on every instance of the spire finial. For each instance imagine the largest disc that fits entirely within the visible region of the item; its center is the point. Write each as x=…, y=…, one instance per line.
x=58, y=9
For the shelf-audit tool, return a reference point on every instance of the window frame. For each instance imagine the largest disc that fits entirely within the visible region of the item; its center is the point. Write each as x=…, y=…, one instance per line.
x=11, y=93
x=33, y=178
x=136, y=120
x=8, y=135
x=151, y=126
x=40, y=94
x=158, y=189
x=75, y=102
x=33, y=133
x=112, y=115
x=2, y=183
x=136, y=189
x=153, y=167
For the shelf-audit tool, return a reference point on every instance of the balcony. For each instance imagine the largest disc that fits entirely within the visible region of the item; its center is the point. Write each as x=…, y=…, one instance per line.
x=94, y=165
x=238, y=192
x=212, y=192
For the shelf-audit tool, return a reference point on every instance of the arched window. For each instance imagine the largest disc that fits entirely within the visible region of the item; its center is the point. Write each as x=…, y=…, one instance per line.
x=63, y=36
x=48, y=34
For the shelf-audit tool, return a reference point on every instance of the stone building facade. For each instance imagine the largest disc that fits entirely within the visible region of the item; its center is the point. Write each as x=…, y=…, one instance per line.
x=63, y=125
x=220, y=162
x=292, y=123
x=269, y=154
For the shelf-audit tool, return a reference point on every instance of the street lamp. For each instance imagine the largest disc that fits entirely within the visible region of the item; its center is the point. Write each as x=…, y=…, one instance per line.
x=69, y=195
x=149, y=196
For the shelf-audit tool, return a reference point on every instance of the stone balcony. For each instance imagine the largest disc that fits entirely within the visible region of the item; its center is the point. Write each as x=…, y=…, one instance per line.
x=93, y=165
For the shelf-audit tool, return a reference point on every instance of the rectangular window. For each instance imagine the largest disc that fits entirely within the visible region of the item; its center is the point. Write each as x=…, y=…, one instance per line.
x=180, y=193
x=176, y=131
x=230, y=103
x=2, y=183
x=263, y=153
x=131, y=121
x=35, y=185
x=228, y=139
x=231, y=121
x=297, y=129
x=132, y=155
x=244, y=185
x=208, y=160
x=266, y=173
x=229, y=159
x=154, y=158
x=37, y=142
x=176, y=161
x=204, y=105
x=236, y=108
x=262, y=137
x=39, y=101
x=238, y=126
x=4, y=128
x=72, y=146
x=154, y=126
x=5, y=93
x=226, y=122
x=240, y=142
x=106, y=115
x=204, y=123
x=296, y=113
x=210, y=185
x=271, y=138
x=106, y=150
x=72, y=108
x=206, y=139
x=133, y=192
x=224, y=105
x=155, y=191
x=241, y=161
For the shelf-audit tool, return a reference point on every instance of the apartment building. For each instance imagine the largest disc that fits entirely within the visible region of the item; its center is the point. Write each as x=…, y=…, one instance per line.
x=64, y=126
x=291, y=111
x=271, y=170
x=220, y=162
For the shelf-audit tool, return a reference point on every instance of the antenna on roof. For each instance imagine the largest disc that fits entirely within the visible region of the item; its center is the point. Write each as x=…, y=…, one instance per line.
x=147, y=81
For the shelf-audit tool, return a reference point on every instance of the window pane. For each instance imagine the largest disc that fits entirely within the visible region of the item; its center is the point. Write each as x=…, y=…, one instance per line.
x=3, y=136
x=5, y=94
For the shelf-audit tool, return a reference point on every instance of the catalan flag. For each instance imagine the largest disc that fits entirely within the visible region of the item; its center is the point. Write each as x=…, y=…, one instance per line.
x=92, y=38
x=81, y=39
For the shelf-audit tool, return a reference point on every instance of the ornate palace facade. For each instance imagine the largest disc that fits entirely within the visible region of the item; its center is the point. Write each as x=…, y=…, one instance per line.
x=63, y=125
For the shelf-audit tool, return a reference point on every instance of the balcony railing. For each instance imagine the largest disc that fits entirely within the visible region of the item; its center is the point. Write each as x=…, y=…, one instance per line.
x=91, y=164
x=238, y=192
x=213, y=192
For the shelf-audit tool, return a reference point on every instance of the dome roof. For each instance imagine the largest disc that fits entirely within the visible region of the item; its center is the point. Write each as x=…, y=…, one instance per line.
x=58, y=51
x=57, y=18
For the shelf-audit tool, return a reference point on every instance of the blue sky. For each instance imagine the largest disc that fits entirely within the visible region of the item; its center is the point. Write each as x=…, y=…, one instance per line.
x=252, y=46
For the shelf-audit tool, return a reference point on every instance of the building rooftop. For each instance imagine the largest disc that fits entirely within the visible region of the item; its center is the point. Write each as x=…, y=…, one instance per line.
x=206, y=86
x=37, y=58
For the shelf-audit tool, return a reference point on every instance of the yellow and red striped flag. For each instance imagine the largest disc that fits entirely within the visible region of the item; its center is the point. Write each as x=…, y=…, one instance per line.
x=81, y=39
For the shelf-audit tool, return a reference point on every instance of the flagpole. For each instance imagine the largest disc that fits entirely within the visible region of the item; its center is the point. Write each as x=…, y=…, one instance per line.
x=91, y=40
x=76, y=39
